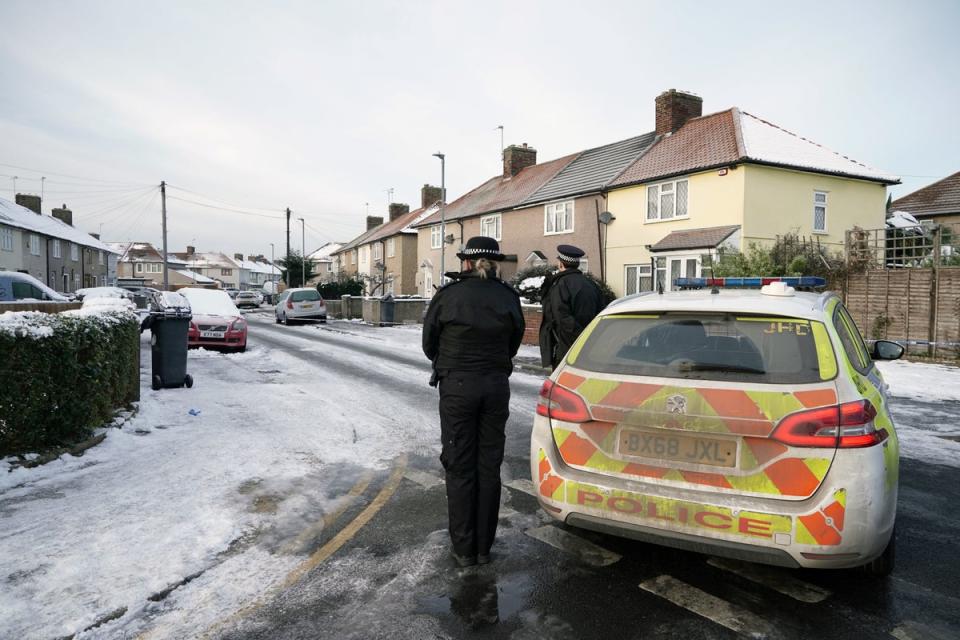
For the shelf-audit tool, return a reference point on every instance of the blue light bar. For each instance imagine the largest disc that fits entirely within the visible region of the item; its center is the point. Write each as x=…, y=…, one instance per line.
x=806, y=282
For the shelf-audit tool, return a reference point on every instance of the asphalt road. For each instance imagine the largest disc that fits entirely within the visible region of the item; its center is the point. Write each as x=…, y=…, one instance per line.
x=382, y=568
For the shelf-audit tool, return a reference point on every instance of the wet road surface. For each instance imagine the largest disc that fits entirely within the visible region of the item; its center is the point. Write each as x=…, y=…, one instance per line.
x=392, y=576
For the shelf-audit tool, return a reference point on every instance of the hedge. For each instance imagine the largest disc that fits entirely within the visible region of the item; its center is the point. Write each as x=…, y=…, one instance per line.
x=62, y=375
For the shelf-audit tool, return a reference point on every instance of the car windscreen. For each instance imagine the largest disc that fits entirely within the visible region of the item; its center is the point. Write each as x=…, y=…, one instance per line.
x=305, y=296
x=741, y=348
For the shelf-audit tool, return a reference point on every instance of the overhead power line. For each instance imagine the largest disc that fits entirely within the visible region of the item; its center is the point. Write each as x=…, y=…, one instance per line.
x=43, y=172
x=231, y=210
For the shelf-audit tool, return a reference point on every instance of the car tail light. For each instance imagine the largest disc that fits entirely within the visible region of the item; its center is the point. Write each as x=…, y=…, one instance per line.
x=561, y=404
x=289, y=303
x=847, y=426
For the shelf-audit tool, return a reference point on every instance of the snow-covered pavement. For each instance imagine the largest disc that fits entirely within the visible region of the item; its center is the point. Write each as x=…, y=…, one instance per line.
x=224, y=485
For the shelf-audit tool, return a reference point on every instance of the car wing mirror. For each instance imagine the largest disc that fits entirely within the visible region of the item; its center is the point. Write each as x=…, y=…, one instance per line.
x=887, y=350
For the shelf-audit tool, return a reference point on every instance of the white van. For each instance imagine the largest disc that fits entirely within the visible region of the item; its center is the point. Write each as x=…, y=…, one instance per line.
x=16, y=286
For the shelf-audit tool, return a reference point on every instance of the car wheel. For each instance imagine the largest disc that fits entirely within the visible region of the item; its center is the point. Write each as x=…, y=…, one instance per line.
x=285, y=320
x=323, y=320
x=188, y=381
x=276, y=318
x=882, y=566
x=156, y=383
x=241, y=349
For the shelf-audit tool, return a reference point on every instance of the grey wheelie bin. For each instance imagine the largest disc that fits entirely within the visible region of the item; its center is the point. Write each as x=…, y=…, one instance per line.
x=169, y=323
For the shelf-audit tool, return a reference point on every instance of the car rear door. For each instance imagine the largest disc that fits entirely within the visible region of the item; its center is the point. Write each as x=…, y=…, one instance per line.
x=710, y=403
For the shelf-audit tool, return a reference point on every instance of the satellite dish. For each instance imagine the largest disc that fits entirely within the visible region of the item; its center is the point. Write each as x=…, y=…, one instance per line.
x=606, y=217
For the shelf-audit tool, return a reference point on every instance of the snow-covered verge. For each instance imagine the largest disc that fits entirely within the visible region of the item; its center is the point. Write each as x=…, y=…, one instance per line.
x=921, y=381
x=211, y=480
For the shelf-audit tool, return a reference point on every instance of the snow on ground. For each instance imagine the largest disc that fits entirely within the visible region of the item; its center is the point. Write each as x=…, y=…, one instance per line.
x=166, y=496
x=921, y=381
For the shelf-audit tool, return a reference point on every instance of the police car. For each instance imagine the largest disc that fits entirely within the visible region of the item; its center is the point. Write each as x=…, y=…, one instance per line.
x=745, y=423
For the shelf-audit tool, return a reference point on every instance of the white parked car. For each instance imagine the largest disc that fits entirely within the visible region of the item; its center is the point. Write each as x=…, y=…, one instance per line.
x=300, y=304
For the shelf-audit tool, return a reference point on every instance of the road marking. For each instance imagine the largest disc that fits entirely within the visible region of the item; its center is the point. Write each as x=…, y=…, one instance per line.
x=710, y=607
x=773, y=578
x=522, y=484
x=328, y=519
x=587, y=551
x=426, y=480
x=917, y=631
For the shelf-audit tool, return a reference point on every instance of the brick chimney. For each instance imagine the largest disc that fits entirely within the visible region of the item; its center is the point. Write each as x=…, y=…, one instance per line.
x=674, y=108
x=429, y=195
x=63, y=214
x=374, y=221
x=30, y=202
x=515, y=159
x=238, y=256
x=191, y=250
x=397, y=210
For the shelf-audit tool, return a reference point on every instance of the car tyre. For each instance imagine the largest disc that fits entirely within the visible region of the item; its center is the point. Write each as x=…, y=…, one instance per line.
x=188, y=381
x=285, y=320
x=276, y=318
x=241, y=349
x=156, y=383
x=882, y=565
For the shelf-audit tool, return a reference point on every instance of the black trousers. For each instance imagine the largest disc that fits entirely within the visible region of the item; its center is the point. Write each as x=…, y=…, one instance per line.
x=474, y=407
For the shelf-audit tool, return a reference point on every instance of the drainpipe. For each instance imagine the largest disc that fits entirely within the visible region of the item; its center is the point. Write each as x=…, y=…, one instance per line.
x=47, y=243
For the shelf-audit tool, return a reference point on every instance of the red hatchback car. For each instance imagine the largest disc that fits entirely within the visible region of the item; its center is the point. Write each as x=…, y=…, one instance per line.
x=217, y=323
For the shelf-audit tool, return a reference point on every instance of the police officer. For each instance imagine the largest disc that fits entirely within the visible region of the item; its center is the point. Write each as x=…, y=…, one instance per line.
x=471, y=332
x=570, y=302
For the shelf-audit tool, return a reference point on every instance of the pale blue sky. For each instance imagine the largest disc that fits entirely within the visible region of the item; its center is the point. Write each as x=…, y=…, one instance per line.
x=323, y=106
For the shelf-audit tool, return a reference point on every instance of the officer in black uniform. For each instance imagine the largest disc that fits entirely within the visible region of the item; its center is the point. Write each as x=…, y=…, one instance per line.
x=570, y=302
x=471, y=332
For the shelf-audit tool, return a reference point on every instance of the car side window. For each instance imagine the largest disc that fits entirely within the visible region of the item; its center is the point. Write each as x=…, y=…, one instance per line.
x=851, y=340
x=21, y=290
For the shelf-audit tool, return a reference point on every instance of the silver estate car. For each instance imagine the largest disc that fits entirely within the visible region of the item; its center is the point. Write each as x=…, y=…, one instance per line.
x=300, y=304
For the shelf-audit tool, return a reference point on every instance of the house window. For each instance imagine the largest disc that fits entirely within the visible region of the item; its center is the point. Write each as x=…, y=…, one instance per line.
x=34, y=244
x=157, y=267
x=100, y=258
x=490, y=226
x=103, y=281
x=56, y=248
x=820, y=211
x=391, y=248
x=637, y=278
x=378, y=251
x=667, y=200
x=224, y=272
x=558, y=218
x=6, y=239
x=139, y=267
x=436, y=236
x=74, y=252
x=353, y=257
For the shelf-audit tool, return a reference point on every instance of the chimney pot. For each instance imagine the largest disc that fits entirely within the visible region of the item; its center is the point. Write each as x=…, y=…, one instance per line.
x=674, y=108
x=517, y=158
x=191, y=250
x=374, y=221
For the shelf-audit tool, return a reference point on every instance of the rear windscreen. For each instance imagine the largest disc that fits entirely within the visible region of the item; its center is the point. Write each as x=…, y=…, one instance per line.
x=709, y=347
x=304, y=296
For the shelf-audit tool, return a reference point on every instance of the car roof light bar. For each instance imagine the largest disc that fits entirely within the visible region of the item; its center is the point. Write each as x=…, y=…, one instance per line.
x=798, y=282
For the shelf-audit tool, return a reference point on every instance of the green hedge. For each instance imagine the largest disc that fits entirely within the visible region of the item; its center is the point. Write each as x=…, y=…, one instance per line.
x=62, y=375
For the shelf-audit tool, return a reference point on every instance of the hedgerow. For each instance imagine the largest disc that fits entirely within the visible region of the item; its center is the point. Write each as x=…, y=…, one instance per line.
x=62, y=375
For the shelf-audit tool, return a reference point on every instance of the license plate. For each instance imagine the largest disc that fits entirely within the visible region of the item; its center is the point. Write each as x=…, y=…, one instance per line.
x=211, y=334
x=306, y=306
x=679, y=448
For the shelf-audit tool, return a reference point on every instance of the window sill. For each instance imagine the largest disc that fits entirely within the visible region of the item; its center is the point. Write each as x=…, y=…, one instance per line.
x=557, y=233
x=658, y=221
x=820, y=233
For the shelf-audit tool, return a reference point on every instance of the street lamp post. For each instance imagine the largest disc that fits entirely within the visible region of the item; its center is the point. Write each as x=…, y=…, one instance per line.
x=443, y=220
x=303, y=252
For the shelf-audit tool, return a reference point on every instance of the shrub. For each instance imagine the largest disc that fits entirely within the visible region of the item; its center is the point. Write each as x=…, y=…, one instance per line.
x=529, y=281
x=343, y=286
x=61, y=375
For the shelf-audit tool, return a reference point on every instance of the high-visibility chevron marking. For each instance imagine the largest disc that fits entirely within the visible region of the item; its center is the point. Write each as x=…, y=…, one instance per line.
x=774, y=578
x=817, y=397
x=585, y=550
x=708, y=606
x=792, y=477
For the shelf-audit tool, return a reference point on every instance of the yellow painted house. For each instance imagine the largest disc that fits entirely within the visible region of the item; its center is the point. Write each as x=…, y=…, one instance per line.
x=727, y=180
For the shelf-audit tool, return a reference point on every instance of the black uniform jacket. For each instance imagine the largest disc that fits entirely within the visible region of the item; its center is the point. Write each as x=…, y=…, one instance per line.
x=473, y=324
x=570, y=302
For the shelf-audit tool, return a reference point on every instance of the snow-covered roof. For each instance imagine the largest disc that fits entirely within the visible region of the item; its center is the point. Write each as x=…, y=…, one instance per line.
x=766, y=142
x=196, y=277
x=15, y=215
x=324, y=253
x=256, y=266
x=426, y=213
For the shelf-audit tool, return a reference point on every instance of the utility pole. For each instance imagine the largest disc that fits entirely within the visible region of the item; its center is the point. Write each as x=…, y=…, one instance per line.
x=443, y=203
x=303, y=251
x=288, y=246
x=163, y=208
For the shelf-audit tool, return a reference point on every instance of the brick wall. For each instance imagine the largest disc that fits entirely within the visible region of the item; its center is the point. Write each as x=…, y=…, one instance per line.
x=532, y=316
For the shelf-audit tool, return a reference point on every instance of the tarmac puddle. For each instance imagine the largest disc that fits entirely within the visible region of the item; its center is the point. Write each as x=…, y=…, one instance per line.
x=479, y=598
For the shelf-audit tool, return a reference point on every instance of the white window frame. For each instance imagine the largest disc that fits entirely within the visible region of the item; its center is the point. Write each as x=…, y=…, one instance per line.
x=74, y=252
x=553, y=213
x=56, y=248
x=139, y=267
x=818, y=204
x=391, y=247
x=496, y=220
x=6, y=238
x=655, y=192
x=436, y=236
x=641, y=270
x=34, y=244
x=378, y=251
x=100, y=259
